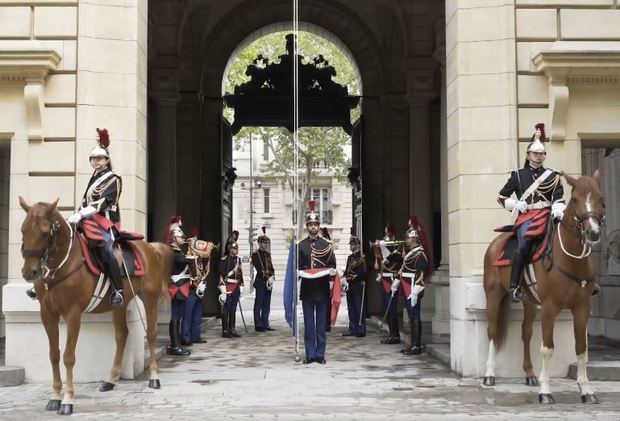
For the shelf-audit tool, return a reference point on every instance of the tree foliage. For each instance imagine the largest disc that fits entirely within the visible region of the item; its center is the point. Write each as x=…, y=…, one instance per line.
x=321, y=149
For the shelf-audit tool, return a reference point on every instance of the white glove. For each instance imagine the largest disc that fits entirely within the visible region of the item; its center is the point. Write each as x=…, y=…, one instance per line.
x=395, y=285
x=557, y=210
x=511, y=204
x=222, y=289
x=332, y=272
x=222, y=298
x=331, y=285
x=270, y=282
x=75, y=218
x=345, y=285
x=200, y=291
x=414, y=299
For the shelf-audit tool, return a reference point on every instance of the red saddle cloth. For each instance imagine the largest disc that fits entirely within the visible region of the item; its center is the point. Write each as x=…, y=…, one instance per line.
x=131, y=255
x=537, y=231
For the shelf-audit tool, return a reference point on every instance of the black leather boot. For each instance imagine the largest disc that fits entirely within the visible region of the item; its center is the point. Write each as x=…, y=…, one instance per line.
x=412, y=332
x=232, y=321
x=174, y=348
x=225, y=332
x=116, y=296
x=515, y=278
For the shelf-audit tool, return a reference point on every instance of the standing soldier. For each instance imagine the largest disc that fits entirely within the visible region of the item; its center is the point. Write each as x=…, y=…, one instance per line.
x=415, y=268
x=182, y=272
x=354, y=283
x=317, y=267
x=263, y=283
x=389, y=261
x=230, y=285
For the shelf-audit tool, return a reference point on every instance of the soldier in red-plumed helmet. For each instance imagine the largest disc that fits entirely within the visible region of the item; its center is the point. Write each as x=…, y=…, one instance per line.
x=99, y=217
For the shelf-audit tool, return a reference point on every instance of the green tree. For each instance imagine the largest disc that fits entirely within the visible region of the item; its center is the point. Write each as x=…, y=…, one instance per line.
x=320, y=148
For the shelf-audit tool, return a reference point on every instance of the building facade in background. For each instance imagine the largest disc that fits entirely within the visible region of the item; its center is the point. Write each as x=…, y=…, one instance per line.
x=451, y=92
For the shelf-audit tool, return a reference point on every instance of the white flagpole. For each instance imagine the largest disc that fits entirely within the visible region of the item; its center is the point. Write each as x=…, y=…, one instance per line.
x=297, y=230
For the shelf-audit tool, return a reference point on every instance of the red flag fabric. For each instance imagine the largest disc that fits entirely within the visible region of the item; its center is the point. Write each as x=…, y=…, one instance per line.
x=336, y=299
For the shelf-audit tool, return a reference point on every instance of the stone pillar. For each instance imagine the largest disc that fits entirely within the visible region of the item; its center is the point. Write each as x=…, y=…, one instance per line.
x=441, y=278
x=482, y=149
x=162, y=153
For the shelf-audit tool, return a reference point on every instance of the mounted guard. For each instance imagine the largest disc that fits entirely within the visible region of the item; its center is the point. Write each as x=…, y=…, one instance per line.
x=99, y=216
x=539, y=194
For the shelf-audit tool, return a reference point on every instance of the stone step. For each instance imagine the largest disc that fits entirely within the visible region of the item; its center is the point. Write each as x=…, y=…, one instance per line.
x=440, y=351
x=11, y=376
x=598, y=370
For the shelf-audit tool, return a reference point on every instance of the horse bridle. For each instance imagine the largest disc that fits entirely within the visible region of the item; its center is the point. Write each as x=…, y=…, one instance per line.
x=44, y=254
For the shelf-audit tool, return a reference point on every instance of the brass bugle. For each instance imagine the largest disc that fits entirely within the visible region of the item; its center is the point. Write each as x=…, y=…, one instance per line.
x=388, y=243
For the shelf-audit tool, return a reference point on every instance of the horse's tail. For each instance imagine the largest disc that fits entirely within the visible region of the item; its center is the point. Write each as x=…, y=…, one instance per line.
x=166, y=257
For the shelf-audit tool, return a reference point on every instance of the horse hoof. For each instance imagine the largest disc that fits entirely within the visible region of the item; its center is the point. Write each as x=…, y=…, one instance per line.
x=53, y=405
x=531, y=381
x=154, y=384
x=106, y=387
x=65, y=409
x=589, y=398
x=489, y=381
x=545, y=398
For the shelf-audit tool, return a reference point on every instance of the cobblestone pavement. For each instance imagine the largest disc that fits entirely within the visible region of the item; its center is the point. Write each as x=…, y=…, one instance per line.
x=256, y=378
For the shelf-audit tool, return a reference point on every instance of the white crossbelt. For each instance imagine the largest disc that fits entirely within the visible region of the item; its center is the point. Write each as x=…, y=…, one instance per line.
x=539, y=205
x=181, y=276
x=232, y=281
x=103, y=284
x=527, y=193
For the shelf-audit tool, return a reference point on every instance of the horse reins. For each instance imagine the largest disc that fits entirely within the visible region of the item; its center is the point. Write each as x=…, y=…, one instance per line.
x=44, y=255
x=585, y=252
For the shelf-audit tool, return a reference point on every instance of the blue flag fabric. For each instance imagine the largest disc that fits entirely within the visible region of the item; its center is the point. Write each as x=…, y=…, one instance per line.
x=289, y=288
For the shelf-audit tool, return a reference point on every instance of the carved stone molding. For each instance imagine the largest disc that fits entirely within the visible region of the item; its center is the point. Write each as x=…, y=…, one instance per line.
x=30, y=67
x=566, y=67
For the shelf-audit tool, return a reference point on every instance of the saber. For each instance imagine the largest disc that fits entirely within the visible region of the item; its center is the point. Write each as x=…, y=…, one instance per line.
x=131, y=287
x=387, y=310
x=359, y=323
x=242, y=318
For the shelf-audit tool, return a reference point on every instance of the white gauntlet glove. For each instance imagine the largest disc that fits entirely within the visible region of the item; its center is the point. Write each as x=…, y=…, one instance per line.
x=519, y=205
x=395, y=285
x=200, y=291
x=415, y=291
x=557, y=210
x=75, y=218
x=332, y=272
x=270, y=282
x=345, y=285
x=222, y=298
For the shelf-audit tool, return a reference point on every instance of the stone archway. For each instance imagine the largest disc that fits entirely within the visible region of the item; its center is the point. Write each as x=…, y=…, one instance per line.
x=206, y=39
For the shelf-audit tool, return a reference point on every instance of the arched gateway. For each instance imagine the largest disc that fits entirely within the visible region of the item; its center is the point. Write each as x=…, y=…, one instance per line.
x=451, y=92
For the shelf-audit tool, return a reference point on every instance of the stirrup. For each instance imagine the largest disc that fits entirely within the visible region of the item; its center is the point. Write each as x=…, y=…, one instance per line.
x=116, y=298
x=516, y=294
x=595, y=291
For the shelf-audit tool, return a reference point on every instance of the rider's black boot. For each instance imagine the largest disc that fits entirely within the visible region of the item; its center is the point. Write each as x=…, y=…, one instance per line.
x=515, y=278
x=225, y=331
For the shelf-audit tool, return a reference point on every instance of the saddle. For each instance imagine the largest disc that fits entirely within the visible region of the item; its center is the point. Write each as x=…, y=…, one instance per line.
x=541, y=232
x=133, y=260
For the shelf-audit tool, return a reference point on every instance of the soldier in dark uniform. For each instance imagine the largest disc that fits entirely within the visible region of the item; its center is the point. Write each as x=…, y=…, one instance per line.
x=539, y=194
x=182, y=272
x=413, y=273
x=263, y=283
x=99, y=215
x=230, y=286
x=317, y=267
x=354, y=282
x=389, y=260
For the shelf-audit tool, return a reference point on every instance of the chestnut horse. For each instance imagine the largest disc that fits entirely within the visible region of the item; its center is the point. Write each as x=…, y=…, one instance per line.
x=565, y=280
x=53, y=261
